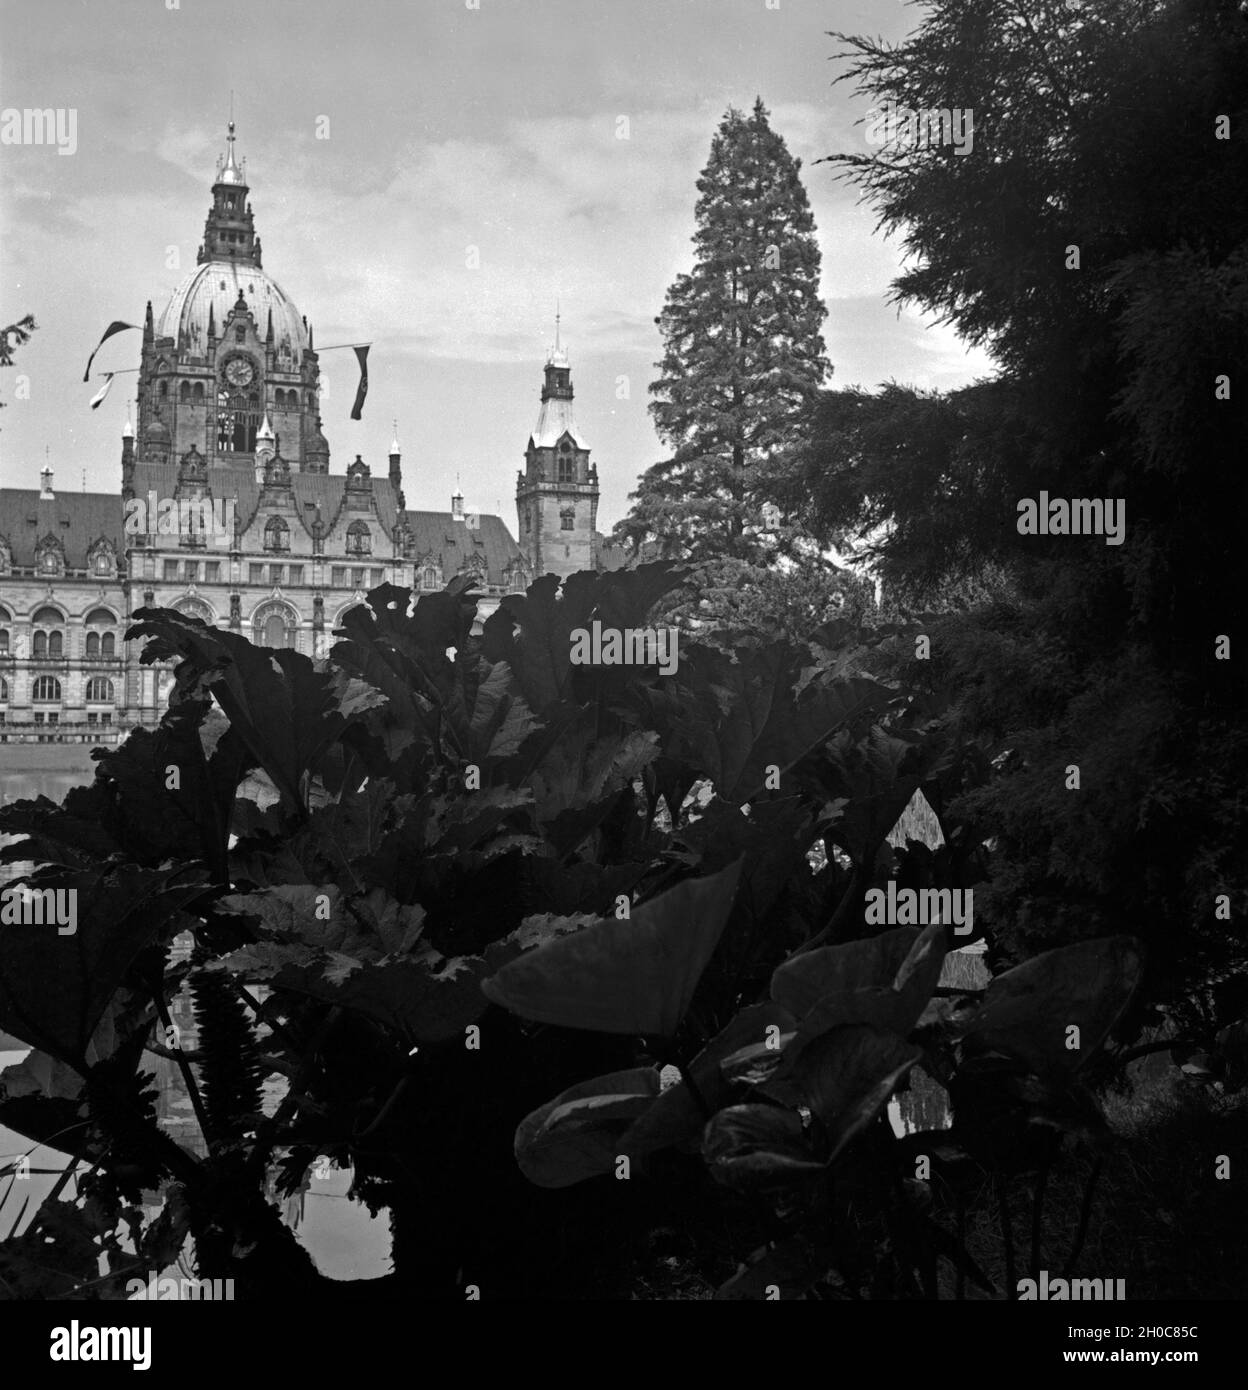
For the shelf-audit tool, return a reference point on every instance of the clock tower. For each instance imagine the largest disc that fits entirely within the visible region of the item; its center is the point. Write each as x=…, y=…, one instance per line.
x=229, y=349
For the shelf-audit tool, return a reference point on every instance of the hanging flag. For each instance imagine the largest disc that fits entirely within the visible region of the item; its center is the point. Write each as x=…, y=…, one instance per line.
x=102, y=392
x=115, y=327
x=362, y=389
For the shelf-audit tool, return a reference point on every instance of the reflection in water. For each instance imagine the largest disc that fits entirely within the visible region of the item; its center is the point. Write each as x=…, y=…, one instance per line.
x=344, y=1240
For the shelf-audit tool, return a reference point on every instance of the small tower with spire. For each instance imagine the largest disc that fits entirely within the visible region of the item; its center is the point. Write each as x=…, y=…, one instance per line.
x=266, y=448
x=230, y=231
x=557, y=492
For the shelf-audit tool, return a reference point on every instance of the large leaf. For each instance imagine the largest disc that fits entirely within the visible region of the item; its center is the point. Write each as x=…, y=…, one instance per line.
x=634, y=976
x=284, y=710
x=897, y=1007
x=676, y=1115
x=1026, y=1011
x=757, y=1146
x=54, y=989
x=800, y=982
x=577, y=1135
x=846, y=1077
x=734, y=717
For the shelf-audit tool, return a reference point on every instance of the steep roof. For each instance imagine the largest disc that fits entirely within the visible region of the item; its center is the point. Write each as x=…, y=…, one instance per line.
x=553, y=421
x=450, y=542
x=76, y=519
x=329, y=489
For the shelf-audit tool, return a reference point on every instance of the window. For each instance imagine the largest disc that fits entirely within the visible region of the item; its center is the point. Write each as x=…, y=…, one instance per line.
x=4, y=689
x=108, y=645
x=212, y=571
x=190, y=571
x=296, y=574
x=255, y=574
x=276, y=534
x=93, y=719
x=93, y=645
x=39, y=645
x=47, y=690
x=199, y=393
x=272, y=630
x=359, y=539
x=56, y=644
x=357, y=579
x=237, y=422
x=339, y=578
x=171, y=570
x=184, y=391
x=102, y=563
x=567, y=463
x=565, y=519
x=4, y=641
x=100, y=690
x=430, y=580
x=378, y=577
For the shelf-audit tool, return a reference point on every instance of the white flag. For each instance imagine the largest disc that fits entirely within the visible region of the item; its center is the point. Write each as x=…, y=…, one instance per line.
x=102, y=392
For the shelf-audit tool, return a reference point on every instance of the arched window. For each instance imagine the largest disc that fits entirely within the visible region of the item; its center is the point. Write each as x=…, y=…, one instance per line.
x=184, y=391
x=567, y=463
x=100, y=691
x=4, y=691
x=359, y=539
x=430, y=580
x=276, y=534
x=565, y=519
x=164, y=388
x=99, y=638
x=108, y=645
x=56, y=644
x=47, y=617
x=39, y=644
x=274, y=627
x=47, y=690
x=4, y=641
x=199, y=392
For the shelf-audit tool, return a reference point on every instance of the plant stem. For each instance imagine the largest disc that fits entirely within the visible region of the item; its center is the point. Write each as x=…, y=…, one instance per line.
x=1084, y=1212
x=1007, y=1236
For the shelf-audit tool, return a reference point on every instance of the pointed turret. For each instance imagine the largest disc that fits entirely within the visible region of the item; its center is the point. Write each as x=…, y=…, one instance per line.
x=230, y=231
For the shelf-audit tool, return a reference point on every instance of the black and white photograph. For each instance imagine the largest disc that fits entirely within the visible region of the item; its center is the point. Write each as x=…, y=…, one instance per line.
x=621, y=628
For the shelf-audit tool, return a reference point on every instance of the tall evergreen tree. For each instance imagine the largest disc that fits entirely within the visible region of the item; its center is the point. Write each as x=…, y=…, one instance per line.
x=743, y=355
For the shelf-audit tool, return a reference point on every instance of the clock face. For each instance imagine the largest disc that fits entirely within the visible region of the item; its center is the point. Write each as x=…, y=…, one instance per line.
x=239, y=371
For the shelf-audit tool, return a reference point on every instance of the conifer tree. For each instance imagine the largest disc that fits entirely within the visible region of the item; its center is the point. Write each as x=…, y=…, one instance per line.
x=743, y=354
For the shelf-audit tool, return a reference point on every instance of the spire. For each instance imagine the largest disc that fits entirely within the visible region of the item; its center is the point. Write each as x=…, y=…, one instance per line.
x=212, y=323
x=266, y=430
x=230, y=233
x=557, y=357
x=268, y=332
x=128, y=431
x=394, y=443
x=149, y=331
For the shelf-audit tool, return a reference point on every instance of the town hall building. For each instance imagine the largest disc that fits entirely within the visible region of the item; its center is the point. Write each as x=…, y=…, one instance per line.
x=228, y=509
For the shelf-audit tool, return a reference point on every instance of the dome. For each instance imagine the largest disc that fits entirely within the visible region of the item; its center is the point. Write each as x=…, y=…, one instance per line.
x=157, y=432
x=216, y=285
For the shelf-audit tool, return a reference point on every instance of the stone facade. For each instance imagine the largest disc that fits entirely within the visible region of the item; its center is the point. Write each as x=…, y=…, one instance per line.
x=228, y=511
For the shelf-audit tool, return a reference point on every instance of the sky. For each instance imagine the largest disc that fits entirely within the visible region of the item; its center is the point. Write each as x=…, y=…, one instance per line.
x=384, y=140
